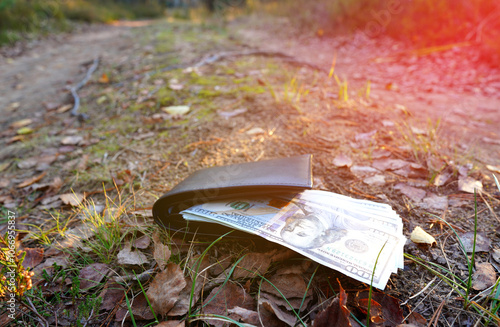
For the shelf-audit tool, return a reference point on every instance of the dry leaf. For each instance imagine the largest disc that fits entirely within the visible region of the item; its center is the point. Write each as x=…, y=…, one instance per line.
x=21, y=123
x=255, y=131
x=27, y=163
x=31, y=180
x=415, y=194
x=251, y=265
x=231, y=296
x=72, y=140
x=91, y=275
x=442, y=178
x=246, y=316
x=375, y=180
x=469, y=185
x=390, y=164
x=64, y=108
x=422, y=237
x=363, y=171
x=232, y=113
x=291, y=286
x=34, y=256
x=165, y=288
x=336, y=314
x=172, y=323
x=142, y=242
x=495, y=169
x=176, y=110
x=128, y=257
x=140, y=310
x=496, y=255
x=104, y=79
x=112, y=295
x=342, y=161
x=483, y=242
x=433, y=201
x=162, y=254
x=485, y=276
x=387, y=308
x=282, y=315
x=72, y=199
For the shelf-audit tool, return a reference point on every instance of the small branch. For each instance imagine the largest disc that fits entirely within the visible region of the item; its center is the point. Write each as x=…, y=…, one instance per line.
x=40, y=317
x=74, y=90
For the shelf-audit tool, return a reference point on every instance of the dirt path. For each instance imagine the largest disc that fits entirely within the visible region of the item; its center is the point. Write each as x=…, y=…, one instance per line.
x=39, y=76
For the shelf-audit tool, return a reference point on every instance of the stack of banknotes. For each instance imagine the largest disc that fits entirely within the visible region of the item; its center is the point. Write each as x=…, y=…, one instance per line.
x=359, y=238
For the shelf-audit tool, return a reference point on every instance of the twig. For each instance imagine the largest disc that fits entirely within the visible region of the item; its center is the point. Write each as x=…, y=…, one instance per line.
x=32, y=307
x=74, y=90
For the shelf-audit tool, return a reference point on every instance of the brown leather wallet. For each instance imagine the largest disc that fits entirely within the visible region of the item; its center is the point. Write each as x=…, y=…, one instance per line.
x=284, y=175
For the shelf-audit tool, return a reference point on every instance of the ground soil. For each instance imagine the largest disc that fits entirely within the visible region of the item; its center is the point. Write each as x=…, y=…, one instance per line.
x=150, y=151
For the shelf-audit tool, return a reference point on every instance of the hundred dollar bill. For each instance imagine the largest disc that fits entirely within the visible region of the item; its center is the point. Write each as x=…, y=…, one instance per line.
x=327, y=236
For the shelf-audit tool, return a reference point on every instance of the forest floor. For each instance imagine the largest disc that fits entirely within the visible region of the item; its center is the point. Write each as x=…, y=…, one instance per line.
x=417, y=130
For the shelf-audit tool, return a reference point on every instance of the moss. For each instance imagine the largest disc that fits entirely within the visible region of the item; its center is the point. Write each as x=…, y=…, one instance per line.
x=209, y=93
x=165, y=97
x=208, y=80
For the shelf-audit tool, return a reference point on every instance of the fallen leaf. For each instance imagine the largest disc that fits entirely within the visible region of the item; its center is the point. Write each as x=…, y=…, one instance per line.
x=72, y=140
x=415, y=319
x=342, y=160
x=388, y=309
x=31, y=180
x=128, y=257
x=72, y=199
x=252, y=265
x=142, y=242
x=483, y=242
x=433, y=201
x=491, y=141
x=363, y=171
x=375, y=180
x=245, y=315
x=232, y=113
x=176, y=110
x=140, y=310
x=255, y=131
x=290, y=286
x=226, y=297
x=422, y=237
x=27, y=163
x=21, y=123
x=390, y=164
x=469, y=185
x=365, y=136
x=92, y=275
x=64, y=108
x=4, y=165
x=442, y=178
x=34, y=256
x=495, y=169
x=112, y=295
x=496, y=255
x=172, y=323
x=282, y=315
x=161, y=253
x=485, y=276
x=415, y=194
x=336, y=314
x=165, y=288
x=104, y=79
x=24, y=131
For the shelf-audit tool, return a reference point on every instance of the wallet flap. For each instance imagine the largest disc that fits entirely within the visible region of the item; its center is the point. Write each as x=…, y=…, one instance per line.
x=253, y=178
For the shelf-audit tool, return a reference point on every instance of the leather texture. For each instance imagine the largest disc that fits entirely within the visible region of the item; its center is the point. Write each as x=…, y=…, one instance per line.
x=290, y=175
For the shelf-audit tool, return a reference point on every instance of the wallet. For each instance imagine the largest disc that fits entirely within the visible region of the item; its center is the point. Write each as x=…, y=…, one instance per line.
x=266, y=177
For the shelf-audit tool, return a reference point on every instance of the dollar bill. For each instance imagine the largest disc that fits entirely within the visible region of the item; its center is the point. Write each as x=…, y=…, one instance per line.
x=335, y=234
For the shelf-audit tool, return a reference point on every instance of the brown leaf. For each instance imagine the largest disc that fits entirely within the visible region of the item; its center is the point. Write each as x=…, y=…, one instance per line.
x=416, y=320
x=31, y=180
x=142, y=242
x=128, y=257
x=245, y=315
x=484, y=276
x=282, y=315
x=21, y=123
x=391, y=314
x=140, y=310
x=161, y=252
x=72, y=199
x=165, y=288
x=469, y=185
x=415, y=194
x=390, y=164
x=342, y=161
x=336, y=314
x=72, y=140
x=291, y=286
x=112, y=295
x=172, y=323
x=229, y=297
x=27, y=163
x=483, y=242
x=34, y=256
x=91, y=275
x=251, y=265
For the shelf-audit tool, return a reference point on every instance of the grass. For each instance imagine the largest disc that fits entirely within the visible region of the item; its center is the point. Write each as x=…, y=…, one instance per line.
x=464, y=287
